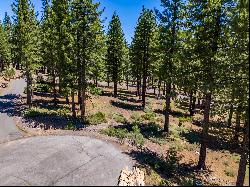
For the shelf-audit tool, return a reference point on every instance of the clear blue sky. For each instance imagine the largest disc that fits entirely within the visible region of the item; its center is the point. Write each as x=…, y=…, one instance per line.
x=128, y=10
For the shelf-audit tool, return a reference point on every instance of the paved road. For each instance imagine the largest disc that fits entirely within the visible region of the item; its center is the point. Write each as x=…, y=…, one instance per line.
x=61, y=160
x=8, y=129
x=53, y=160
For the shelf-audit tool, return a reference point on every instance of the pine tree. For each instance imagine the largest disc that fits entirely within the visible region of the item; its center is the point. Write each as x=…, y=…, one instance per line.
x=171, y=23
x=115, y=50
x=143, y=49
x=27, y=41
x=97, y=65
x=86, y=30
x=5, y=48
x=208, y=20
x=62, y=39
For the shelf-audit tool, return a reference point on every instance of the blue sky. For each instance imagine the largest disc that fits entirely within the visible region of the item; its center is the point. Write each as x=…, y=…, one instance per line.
x=128, y=10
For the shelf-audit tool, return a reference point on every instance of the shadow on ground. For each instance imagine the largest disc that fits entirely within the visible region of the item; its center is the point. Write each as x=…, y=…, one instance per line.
x=126, y=106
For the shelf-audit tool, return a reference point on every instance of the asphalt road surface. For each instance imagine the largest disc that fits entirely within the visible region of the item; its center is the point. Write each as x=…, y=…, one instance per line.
x=53, y=160
x=61, y=160
x=8, y=129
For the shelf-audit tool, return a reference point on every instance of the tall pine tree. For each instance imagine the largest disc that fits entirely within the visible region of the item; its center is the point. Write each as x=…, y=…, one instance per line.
x=115, y=50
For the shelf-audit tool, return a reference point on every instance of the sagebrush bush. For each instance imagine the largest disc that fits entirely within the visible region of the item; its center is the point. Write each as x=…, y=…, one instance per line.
x=116, y=132
x=229, y=172
x=10, y=72
x=149, y=116
x=70, y=126
x=44, y=88
x=136, y=117
x=134, y=134
x=119, y=118
x=34, y=112
x=95, y=91
x=185, y=119
x=97, y=118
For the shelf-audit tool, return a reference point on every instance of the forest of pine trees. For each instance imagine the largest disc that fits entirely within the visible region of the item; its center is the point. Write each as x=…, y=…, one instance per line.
x=200, y=47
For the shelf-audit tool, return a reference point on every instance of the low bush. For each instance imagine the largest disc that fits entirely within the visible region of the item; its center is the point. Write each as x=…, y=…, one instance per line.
x=70, y=126
x=122, y=133
x=136, y=117
x=34, y=112
x=136, y=136
x=149, y=116
x=172, y=160
x=229, y=172
x=185, y=119
x=97, y=118
x=119, y=118
x=95, y=91
x=116, y=132
x=44, y=88
x=10, y=72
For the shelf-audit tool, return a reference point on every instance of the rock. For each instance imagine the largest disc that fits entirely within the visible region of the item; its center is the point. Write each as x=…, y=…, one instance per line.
x=131, y=178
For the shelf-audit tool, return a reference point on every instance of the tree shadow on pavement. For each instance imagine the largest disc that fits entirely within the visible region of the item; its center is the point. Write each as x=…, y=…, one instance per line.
x=9, y=104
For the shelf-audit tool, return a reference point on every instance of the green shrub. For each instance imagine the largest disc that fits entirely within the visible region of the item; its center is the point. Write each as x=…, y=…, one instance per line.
x=149, y=116
x=70, y=126
x=136, y=135
x=185, y=181
x=34, y=112
x=136, y=117
x=229, y=172
x=119, y=118
x=121, y=133
x=95, y=91
x=176, y=131
x=10, y=72
x=185, y=119
x=172, y=160
x=97, y=118
x=116, y=132
x=44, y=88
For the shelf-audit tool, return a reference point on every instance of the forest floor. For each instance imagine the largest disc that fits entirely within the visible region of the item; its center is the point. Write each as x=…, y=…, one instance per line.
x=148, y=146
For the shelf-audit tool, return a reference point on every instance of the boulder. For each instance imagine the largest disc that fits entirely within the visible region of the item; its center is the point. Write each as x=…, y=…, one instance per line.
x=131, y=178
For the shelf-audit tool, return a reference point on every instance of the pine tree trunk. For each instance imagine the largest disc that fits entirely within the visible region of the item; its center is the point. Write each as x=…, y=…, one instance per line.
x=138, y=87
x=167, y=109
x=83, y=93
x=231, y=110
x=29, y=84
x=244, y=152
x=159, y=89
x=108, y=81
x=96, y=81
x=191, y=103
x=144, y=87
x=237, y=125
x=204, y=137
x=164, y=88
x=60, y=84
x=127, y=82
x=67, y=100
x=54, y=88
x=230, y=116
x=115, y=88
x=73, y=104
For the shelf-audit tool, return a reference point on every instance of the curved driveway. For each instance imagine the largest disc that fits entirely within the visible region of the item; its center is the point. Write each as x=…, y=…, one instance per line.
x=53, y=160
x=61, y=160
